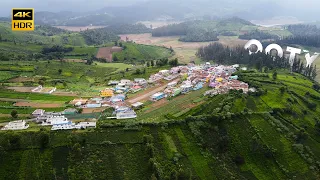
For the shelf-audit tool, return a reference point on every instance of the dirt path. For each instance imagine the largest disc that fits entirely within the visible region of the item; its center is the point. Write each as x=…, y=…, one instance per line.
x=147, y=94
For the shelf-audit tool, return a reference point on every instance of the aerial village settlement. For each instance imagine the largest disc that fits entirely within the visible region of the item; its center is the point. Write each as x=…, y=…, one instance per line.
x=179, y=80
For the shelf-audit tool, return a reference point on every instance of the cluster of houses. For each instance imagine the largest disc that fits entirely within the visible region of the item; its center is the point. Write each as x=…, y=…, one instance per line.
x=194, y=77
x=56, y=120
x=182, y=79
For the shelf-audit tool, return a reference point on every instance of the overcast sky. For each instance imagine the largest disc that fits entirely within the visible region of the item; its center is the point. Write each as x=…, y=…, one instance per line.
x=88, y=5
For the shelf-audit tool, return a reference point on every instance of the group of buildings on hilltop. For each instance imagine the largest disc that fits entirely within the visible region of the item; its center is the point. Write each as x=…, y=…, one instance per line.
x=183, y=79
x=194, y=77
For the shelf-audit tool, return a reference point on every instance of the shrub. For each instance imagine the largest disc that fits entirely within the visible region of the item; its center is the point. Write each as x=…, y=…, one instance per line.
x=239, y=160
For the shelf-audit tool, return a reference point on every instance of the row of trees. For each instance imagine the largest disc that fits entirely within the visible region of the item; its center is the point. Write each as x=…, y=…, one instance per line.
x=99, y=36
x=260, y=60
x=305, y=40
x=260, y=35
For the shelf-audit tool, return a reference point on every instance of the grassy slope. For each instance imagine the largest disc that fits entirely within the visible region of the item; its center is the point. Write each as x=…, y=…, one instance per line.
x=142, y=52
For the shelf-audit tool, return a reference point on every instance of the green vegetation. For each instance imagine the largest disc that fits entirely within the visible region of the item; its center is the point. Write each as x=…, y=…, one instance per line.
x=202, y=31
x=137, y=52
x=98, y=36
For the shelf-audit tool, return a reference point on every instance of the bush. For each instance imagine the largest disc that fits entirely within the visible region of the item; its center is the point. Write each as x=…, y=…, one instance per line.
x=239, y=160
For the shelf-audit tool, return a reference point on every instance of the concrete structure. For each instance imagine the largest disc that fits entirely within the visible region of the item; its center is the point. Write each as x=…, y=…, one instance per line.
x=93, y=105
x=158, y=96
x=126, y=82
x=113, y=83
x=38, y=112
x=79, y=102
x=16, y=125
x=126, y=115
x=198, y=86
x=63, y=126
x=85, y=125
x=137, y=105
x=106, y=93
x=186, y=88
x=55, y=120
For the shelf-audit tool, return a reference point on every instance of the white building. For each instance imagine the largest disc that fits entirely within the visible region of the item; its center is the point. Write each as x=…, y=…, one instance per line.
x=38, y=112
x=126, y=82
x=55, y=120
x=126, y=115
x=63, y=126
x=84, y=125
x=16, y=125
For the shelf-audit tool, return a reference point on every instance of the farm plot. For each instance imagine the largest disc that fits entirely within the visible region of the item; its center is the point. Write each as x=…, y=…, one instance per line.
x=38, y=105
x=184, y=51
x=106, y=52
x=5, y=75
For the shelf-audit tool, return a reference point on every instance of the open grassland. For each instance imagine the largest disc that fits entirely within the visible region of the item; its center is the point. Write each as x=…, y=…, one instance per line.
x=184, y=51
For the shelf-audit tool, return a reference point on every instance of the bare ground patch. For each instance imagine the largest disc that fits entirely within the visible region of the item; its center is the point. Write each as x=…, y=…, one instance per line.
x=21, y=89
x=22, y=79
x=92, y=110
x=106, y=52
x=185, y=51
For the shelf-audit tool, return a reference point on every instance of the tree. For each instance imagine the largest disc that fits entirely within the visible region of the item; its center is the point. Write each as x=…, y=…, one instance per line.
x=173, y=62
x=314, y=72
x=152, y=63
x=14, y=113
x=274, y=75
x=44, y=139
x=282, y=89
x=80, y=110
x=116, y=43
x=115, y=58
x=138, y=71
x=60, y=71
x=239, y=160
x=41, y=82
x=148, y=64
x=120, y=44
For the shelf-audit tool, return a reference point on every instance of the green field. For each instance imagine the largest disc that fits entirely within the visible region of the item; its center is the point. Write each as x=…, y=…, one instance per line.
x=137, y=52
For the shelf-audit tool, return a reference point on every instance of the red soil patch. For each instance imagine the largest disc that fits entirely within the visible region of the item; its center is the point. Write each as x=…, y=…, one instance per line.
x=22, y=79
x=106, y=52
x=21, y=89
x=38, y=105
x=92, y=110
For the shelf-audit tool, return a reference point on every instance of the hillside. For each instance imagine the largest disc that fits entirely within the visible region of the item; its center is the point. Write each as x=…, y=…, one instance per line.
x=138, y=52
x=273, y=134
x=44, y=35
x=41, y=35
x=205, y=30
